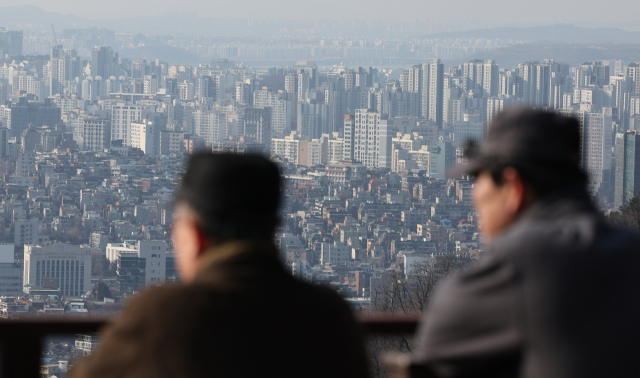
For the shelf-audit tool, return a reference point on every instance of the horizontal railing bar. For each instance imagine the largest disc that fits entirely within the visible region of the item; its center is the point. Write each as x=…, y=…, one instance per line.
x=24, y=356
x=380, y=323
x=48, y=326
x=371, y=324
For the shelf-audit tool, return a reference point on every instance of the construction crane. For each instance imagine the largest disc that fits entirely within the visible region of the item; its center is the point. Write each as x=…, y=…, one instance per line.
x=55, y=40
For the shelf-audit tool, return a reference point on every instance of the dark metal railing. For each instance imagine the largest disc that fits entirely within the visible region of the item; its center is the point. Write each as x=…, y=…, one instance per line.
x=377, y=324
x=21, y=340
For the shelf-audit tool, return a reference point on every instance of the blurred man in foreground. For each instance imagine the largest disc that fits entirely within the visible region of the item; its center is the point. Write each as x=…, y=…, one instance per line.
x=556, y=293
x=238, y=313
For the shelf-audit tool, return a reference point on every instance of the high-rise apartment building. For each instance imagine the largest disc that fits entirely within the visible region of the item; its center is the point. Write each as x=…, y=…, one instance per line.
x=534, y=77
x=243, y=93
x=4, y=142
x=207, y=87
x=414, y=79
x=64, y=66
x=303, y=84
x=104, y=62
x=210, y=125
x=313, y=119
x=150, y=84
x=11, y=42
x=627, y=170
x=368, y=139
x=281, y=109
x=349, y=123
x=365, y=137
x=433, y=91
x=257, y=124
x=186, y=91
x=491, y=79
x=591, y=73
x=290, y=83
x=633, y=71
x=96, y=134
x=18, y=115
x=473, y=76
x=596, y=142
x=139, y=69
x=386, y=132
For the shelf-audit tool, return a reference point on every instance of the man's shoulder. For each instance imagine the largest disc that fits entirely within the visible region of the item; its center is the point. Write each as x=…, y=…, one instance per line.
x=542, y=234
x=151, y=300
x=581, y=237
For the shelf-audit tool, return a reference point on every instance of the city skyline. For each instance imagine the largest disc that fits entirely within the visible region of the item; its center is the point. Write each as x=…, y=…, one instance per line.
x=362, y=111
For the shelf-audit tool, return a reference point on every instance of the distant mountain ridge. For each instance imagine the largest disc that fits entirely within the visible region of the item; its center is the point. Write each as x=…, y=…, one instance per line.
x=558, y=33
x=33, y=18
x=32, y=15
x=574, y=54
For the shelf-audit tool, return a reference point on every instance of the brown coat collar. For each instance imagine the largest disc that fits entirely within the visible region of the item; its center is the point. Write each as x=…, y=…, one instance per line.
x=239, y=263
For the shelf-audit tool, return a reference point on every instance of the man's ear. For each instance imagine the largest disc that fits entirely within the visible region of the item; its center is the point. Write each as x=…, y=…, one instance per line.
x=202, y=240
x=517, y=196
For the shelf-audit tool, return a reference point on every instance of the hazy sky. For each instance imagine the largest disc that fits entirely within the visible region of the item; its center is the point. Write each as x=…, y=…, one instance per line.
x=492, y=11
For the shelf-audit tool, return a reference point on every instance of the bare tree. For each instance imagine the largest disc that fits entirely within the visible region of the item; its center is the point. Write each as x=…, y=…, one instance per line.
x=409, y=294
x=628, y=215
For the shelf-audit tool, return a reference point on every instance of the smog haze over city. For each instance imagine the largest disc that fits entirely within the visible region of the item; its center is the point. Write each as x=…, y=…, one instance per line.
x=363, y=107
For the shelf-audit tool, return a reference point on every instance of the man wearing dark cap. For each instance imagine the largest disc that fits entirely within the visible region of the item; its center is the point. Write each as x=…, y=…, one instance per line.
x=238, y=312
x=556, y=293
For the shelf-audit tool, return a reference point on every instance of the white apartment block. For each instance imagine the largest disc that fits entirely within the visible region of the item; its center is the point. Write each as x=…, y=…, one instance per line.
x=367, y=139
x=290, y=83
x=335, y=150
x=121, y=118
x=63, y=265
x=154, y=253
x=145, y=136
x=286, y=147
x=365, y=135
x=336, y=253
x=308, y=153
x=26, y=164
